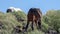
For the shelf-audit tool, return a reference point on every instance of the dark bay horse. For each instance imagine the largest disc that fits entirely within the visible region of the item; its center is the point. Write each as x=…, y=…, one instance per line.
x=34, y=16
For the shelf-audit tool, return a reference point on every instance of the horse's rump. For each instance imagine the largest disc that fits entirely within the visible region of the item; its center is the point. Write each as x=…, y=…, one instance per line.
x=34, y=13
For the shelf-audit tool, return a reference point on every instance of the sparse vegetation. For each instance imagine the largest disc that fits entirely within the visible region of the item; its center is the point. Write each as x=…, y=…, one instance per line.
x=51, y=20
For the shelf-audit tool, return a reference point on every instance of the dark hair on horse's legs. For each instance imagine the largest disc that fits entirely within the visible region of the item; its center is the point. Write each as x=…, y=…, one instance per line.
x=32, y=25
x=27, y=25
x=39, y=24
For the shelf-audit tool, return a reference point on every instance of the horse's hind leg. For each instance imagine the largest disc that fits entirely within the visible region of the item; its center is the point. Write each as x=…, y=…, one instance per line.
x=36, y=22
x=39, y=24
x=32, y=26
x=27, y=25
